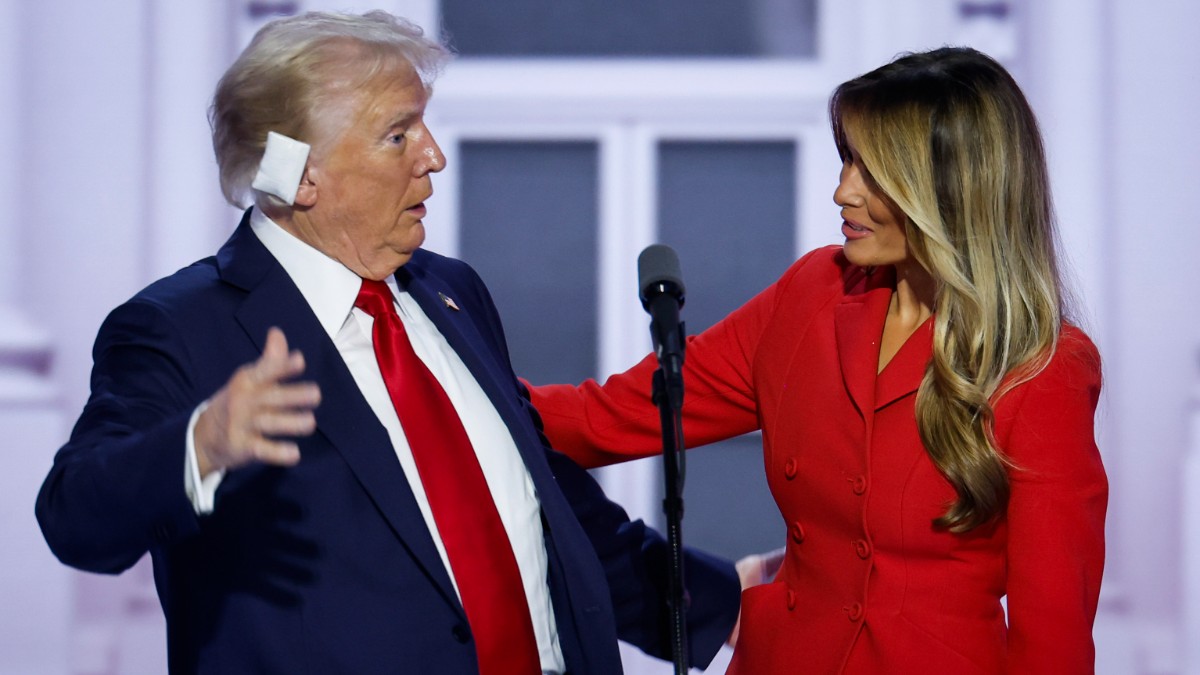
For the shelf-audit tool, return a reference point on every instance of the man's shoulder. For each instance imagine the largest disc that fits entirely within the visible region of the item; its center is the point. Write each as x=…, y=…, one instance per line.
x=185, y=307
x=429, y=267
x=425, y=261
x=187, y=291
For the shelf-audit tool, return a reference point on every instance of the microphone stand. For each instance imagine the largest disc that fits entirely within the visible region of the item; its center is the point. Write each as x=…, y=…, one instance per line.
x=667, y=394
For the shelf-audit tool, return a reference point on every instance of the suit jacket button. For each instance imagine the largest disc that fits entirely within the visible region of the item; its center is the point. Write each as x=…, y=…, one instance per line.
x=859, y=485
x=797, y=532
x=854, y=612
x=791, y=599
x=862, y=548
x=461, y=633
x=789, y=468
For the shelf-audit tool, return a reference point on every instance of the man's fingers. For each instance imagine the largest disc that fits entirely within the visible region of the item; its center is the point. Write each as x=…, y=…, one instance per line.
x=285, y=423
x=247, y=418
x=276, y=362
x=276, y=345
x=278, y=453
x=294, y=395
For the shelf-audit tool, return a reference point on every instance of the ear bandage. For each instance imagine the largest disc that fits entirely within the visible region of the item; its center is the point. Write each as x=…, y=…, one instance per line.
x=281, y=167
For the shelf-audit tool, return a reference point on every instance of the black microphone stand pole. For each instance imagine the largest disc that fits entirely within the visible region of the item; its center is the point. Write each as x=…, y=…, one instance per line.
x=668, y=396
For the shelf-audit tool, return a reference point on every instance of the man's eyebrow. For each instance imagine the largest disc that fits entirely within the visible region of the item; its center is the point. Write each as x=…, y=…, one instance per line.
x=405, y=115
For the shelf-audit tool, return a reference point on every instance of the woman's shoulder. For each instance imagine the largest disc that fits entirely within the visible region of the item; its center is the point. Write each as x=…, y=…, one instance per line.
x=1047, y=424
x=1075, y=353
x=815, y=281
x=1072, y=371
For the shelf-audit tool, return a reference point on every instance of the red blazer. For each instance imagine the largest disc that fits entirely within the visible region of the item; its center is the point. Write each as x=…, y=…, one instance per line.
x=868, y=584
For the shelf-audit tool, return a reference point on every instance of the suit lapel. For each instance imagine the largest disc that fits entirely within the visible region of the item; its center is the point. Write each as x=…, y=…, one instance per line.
x=344, y=417
x=484, y=356
x=453, y=318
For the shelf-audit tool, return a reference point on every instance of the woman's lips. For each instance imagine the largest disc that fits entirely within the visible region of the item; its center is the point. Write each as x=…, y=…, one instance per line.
x=852, y=230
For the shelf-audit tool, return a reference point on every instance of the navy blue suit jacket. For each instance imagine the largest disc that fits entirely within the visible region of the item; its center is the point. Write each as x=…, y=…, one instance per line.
x=328, y=567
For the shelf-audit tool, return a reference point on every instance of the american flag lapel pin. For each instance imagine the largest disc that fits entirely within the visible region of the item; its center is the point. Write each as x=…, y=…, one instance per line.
x=449, y=301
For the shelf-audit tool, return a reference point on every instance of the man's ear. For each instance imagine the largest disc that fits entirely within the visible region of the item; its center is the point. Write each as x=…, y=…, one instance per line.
x=306, y=192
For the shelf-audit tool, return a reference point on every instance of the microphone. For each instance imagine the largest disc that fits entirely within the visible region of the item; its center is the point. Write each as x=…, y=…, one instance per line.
x=658, y=274
x=662, y=293
x=660, y=285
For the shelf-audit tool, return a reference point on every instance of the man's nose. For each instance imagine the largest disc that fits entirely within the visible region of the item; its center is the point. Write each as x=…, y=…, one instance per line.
x=432, y=160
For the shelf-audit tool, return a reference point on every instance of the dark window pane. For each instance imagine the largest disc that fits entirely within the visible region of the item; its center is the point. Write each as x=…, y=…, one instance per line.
x=727, y=28
x=729, y=210
x=728, y=509
x=528, y=225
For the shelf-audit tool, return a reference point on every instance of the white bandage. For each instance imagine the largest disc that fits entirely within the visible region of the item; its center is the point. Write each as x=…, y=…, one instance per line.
x=281, y=167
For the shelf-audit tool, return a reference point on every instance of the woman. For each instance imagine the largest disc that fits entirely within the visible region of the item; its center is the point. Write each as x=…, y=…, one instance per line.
x=927, y=411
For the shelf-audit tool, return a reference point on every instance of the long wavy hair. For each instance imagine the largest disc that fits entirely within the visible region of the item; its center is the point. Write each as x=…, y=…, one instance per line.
x=949, y=137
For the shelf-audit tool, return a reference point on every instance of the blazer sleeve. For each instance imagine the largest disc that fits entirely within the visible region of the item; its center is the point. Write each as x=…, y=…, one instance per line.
x=1059, y=493
x=116, y=489
x=597, y=425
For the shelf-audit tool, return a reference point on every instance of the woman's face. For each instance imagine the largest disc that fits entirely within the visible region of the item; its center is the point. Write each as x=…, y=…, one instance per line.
x=871, y=222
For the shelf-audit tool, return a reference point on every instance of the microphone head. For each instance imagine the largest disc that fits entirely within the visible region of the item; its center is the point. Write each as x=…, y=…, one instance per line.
x=658, y=272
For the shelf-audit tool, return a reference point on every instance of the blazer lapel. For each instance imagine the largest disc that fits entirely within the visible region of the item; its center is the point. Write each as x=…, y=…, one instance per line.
x=344, y=417
x=858, y=327
x=904, y=372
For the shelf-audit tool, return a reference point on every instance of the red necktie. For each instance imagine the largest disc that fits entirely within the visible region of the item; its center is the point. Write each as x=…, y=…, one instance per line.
x=480, y=554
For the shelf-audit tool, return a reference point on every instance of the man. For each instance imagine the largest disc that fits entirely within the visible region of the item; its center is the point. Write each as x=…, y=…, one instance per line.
x=317, y=433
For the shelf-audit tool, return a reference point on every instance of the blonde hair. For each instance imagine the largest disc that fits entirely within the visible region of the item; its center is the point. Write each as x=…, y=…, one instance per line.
x=948, y=136
x=292, y=77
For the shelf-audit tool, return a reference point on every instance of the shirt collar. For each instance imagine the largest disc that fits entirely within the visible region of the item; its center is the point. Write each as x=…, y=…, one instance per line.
x=328, y=286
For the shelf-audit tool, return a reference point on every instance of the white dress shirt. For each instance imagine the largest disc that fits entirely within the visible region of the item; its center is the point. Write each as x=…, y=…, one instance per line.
x=330, y=290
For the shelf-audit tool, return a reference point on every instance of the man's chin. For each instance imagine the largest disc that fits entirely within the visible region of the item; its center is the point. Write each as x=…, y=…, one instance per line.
x=403, y=257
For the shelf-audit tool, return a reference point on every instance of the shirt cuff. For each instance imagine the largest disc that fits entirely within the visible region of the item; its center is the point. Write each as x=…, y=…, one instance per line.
x=201, y=492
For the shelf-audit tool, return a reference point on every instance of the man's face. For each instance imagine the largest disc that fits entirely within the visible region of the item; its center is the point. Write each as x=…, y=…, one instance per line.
x=372, y=180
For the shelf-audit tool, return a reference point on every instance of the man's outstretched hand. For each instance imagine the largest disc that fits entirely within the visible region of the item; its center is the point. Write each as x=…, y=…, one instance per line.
x=260, y=405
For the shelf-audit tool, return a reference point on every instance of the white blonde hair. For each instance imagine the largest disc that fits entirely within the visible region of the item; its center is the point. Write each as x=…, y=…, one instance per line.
x=294, y=73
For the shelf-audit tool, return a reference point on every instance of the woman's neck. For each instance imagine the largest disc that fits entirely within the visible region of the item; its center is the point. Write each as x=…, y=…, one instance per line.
x=913, y=300
x=911, y=305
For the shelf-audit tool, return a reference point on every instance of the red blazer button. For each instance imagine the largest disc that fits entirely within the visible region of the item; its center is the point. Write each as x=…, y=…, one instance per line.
x=859, y=485
x=791, y=599
x=797, y=532
x=789, y=468
x=854, y=612
x=862, y=548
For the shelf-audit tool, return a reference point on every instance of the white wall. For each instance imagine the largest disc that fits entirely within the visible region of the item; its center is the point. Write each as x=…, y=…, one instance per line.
x=1153, y=239
x=101, y=134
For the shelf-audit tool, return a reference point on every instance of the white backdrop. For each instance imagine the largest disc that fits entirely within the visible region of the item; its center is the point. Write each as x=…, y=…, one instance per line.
x=107, y=182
